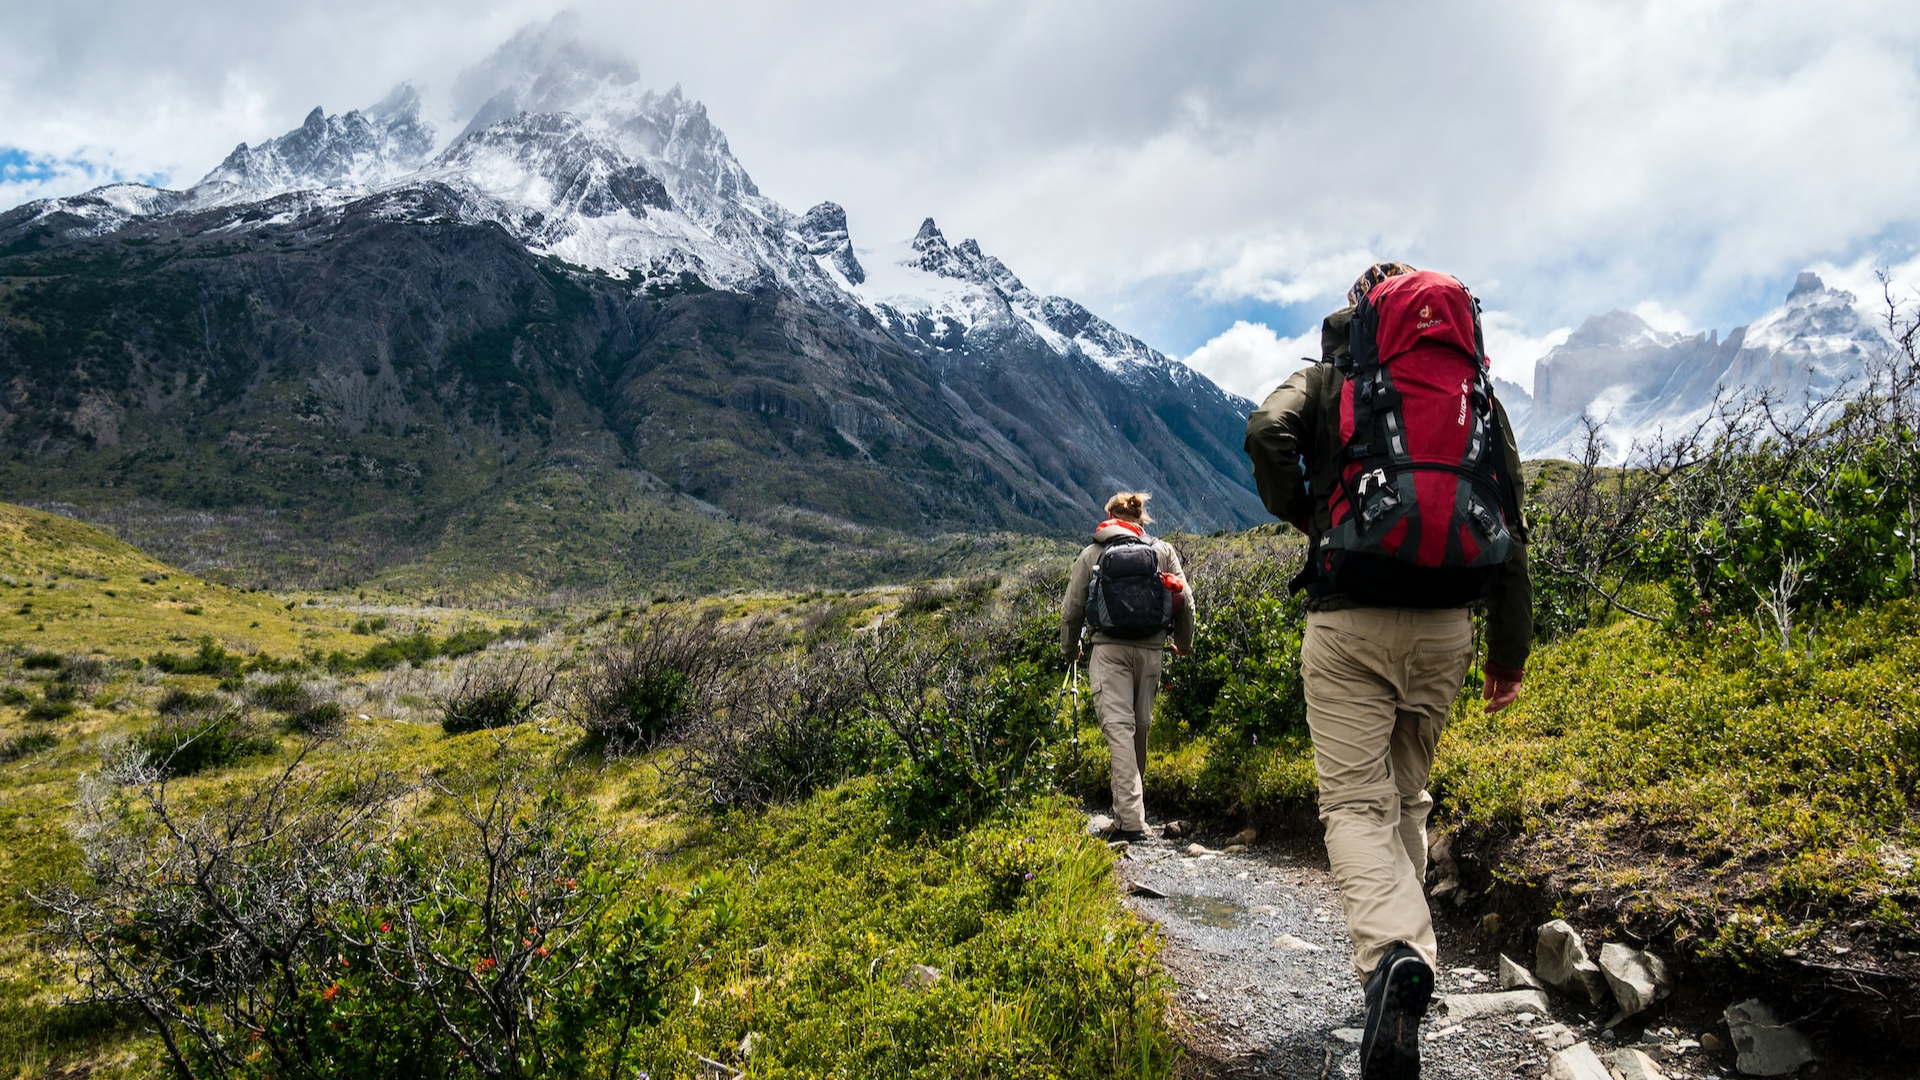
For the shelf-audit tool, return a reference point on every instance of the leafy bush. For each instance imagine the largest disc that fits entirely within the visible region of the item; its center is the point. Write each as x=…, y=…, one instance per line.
x=660, y=676
x=13, y=695
x=788, y=729
x=287, y=694
x=494, y=694
x=177, y=701
x=319, y=718
x=56, y=703
x=42, y=661
x=973, y=735
x=417, y=649
x=186, y=743
x=208, y=659
x=284, y=931
x=32, y=742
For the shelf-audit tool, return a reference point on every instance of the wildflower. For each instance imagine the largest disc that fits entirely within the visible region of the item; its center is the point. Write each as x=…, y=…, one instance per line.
x=485, y=963
x=387, y=927
x=329, y=992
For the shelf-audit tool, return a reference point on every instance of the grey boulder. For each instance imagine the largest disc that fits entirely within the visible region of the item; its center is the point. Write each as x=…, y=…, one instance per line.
x=1560, y=958
x=1766, y=1047
x=1637, y=978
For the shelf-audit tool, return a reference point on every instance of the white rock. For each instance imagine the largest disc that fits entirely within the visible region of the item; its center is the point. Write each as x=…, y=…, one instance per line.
x=1348, y=1035
x=1294, y=944
x=920, y=976
x=1197, y=849
x=1246, y=836
x=1765, y=1045
x=1505, y=1003
x=1099, y=825
x=1577, y=1062
x=1561, y=959
x=1638, y=979
x=1554, y=1036
x=1634, y=1065
x=1515, y=977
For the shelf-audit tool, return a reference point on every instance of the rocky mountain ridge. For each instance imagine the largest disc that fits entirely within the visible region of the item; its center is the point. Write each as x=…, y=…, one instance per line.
x=1641, y=381
x=592, y=286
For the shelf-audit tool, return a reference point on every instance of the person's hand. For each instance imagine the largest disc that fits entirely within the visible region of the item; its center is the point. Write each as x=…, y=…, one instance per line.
x=1500, y=693
x=1073, y=658
x=1178, y=651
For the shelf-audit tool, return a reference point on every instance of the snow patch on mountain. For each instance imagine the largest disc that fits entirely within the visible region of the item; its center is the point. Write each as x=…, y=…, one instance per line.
x=947, y=297
x=1643, y=383
x=358, y=151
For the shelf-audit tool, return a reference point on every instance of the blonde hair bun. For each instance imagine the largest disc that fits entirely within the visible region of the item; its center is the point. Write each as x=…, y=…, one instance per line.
x=1130, y=506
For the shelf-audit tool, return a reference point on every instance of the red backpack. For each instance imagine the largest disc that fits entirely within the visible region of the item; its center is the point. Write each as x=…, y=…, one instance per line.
x=1421, y=511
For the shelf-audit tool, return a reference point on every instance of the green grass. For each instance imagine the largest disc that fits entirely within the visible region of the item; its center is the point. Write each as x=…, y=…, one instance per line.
x=1764, y=798
x=69, y=588
x=1042, y=975
x=1042, y=972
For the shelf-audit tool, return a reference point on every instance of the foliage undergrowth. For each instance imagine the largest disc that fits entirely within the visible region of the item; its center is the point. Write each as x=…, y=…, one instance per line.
x=1037, y=971
x=1763, y=796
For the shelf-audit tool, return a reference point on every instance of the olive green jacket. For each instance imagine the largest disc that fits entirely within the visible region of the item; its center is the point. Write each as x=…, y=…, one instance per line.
x=1300, y=419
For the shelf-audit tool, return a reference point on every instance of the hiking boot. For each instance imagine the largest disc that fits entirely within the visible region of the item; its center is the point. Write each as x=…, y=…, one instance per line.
x=1397, y=996
x=1131, y=836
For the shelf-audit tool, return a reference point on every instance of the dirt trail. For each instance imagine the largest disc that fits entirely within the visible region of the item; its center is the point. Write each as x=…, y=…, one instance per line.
x=1256, y=1004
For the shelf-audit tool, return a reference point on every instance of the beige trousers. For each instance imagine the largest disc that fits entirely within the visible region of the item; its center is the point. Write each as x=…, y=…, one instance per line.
x=1125, y=678
x=1379, y=683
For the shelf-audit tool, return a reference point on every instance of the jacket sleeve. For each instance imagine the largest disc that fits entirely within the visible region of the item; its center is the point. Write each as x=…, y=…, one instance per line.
x=1510, y=604
x=1279, y=434
x=1073, y=608
x=1184, y=612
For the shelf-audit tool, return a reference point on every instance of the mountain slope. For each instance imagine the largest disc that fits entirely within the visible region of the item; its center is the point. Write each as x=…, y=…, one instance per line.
x=361, y=363
x=1643, y=381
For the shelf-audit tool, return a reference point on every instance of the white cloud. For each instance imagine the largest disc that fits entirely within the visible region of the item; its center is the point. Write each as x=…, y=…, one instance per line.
x=1590, y=154
x=1511, y=351
x=1662, y=318
x=1250, y=359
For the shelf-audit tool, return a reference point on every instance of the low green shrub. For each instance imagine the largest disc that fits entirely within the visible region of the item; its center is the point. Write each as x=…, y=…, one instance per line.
x=1041, y=972
x=177, y=701
x=208, y=659
x=287, y=694
x=495, y=694
x=283, y=931
x=51, y=707
x=1770, y=781
x=318, y=718
x=18, y=746
x=186, y=743
x=42, y=661
x=663, y=674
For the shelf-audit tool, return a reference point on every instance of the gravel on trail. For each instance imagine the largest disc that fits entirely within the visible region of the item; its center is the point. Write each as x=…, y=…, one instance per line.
x=1255, y=941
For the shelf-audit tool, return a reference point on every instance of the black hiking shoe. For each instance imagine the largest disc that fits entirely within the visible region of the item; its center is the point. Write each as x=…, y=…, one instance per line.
x=1397, y=996
x=1131, y=836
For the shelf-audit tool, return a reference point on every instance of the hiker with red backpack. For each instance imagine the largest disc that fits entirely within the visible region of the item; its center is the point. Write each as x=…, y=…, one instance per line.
x=1128, y=589
x=1394, y=457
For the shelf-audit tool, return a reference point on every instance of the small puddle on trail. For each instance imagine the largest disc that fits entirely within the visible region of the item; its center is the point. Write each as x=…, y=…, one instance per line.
x=1207, y=910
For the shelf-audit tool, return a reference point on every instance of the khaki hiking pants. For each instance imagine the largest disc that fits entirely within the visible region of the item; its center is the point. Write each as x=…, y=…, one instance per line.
x=1379, y=683
x=1125, y=678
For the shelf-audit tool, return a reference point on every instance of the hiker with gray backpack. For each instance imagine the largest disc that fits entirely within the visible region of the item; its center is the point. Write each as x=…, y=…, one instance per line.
x=1127, y=588
x=1394, y=457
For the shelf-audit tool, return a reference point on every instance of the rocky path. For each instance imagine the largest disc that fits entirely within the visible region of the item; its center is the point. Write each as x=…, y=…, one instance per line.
x=1255, y=941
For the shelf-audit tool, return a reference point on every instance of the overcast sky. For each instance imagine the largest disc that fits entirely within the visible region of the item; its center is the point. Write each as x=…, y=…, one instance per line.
x=1210, y=176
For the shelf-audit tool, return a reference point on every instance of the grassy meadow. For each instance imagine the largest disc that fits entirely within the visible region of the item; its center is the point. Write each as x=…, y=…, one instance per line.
x=834, y=832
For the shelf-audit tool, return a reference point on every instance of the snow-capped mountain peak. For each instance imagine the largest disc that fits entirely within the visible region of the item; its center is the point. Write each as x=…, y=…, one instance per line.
x=361, y=150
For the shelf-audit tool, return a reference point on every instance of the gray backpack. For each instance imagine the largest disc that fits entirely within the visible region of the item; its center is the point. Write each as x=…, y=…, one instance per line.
x=1128, y=599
